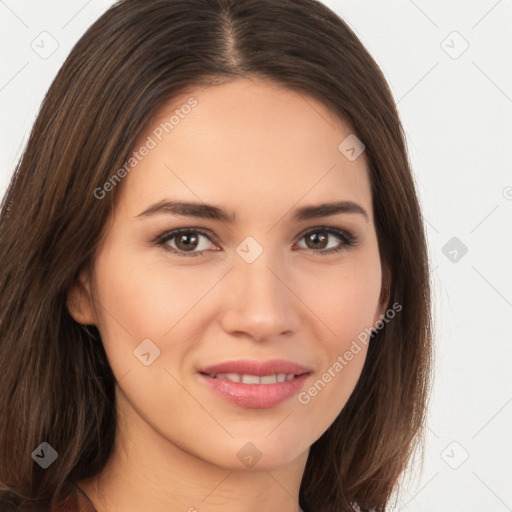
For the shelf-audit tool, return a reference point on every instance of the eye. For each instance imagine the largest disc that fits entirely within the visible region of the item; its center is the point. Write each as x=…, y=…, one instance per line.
x=318, y=240
x=184, y=241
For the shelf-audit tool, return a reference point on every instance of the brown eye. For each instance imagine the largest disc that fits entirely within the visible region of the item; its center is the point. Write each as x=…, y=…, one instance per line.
x=316, y=240
x=185, y=242
x=319, y=240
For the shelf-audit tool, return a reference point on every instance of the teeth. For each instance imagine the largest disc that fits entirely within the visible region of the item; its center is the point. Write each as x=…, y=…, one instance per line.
x=255, y=379
x=250, y=379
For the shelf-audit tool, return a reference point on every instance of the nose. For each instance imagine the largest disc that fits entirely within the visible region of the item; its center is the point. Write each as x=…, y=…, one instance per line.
x=260, y=302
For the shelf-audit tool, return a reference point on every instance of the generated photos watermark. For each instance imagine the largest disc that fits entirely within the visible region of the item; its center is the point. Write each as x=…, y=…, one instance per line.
x=151, y=142
x=363, y=338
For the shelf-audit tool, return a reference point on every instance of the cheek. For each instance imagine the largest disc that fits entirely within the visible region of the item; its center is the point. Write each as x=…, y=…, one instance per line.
x=139, y=299
x=136, y=295
x=346, y=298
x=347, y=302
x=127, y=305
x=358, y=303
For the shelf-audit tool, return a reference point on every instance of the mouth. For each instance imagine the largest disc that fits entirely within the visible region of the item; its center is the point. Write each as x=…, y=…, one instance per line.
x=255, y=384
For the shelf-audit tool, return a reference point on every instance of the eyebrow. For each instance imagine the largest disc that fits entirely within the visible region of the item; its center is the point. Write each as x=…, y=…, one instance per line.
x=207, y=211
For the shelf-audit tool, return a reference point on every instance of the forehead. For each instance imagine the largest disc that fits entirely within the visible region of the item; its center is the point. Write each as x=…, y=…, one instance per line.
x=246, y=145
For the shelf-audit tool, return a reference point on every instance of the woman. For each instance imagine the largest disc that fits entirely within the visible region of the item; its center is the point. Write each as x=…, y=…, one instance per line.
x=214, y=280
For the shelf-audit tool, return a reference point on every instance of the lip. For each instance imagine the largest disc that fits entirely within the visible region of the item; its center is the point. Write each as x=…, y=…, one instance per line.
x=255, y=396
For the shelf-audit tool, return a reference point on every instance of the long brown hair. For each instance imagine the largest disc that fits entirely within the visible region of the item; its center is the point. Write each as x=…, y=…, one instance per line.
x=56, y=385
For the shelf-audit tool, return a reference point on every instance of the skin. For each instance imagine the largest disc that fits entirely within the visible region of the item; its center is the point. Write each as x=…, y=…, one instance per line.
x=261, y=151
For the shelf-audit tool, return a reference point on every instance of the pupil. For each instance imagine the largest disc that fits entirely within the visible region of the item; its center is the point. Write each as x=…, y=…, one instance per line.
x=185, y=239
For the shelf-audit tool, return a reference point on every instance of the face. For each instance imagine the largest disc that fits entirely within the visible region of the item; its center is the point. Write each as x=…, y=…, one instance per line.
x=256, y=287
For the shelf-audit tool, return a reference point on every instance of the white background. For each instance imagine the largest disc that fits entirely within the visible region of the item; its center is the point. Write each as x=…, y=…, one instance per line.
x=456, y=109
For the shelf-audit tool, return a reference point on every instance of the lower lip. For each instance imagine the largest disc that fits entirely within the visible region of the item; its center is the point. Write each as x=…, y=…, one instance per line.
x=256, y=396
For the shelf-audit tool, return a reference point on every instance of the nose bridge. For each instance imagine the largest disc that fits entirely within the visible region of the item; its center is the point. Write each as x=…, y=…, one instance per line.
x=260, y=303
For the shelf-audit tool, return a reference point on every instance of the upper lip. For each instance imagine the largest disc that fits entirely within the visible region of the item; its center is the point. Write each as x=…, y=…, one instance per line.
x=253, y=367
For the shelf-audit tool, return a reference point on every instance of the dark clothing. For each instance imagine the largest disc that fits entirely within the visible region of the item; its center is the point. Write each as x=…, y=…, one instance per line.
x=77, y=501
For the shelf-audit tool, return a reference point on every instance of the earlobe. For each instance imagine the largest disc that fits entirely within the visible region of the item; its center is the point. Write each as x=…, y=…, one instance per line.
x=79, y=301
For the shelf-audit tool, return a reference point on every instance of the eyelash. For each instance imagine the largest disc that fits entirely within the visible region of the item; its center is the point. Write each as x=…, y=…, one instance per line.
x=347, y=238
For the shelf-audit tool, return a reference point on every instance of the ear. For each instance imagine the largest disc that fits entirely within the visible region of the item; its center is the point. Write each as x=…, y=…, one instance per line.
x=385, y=294
x=79, y=300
